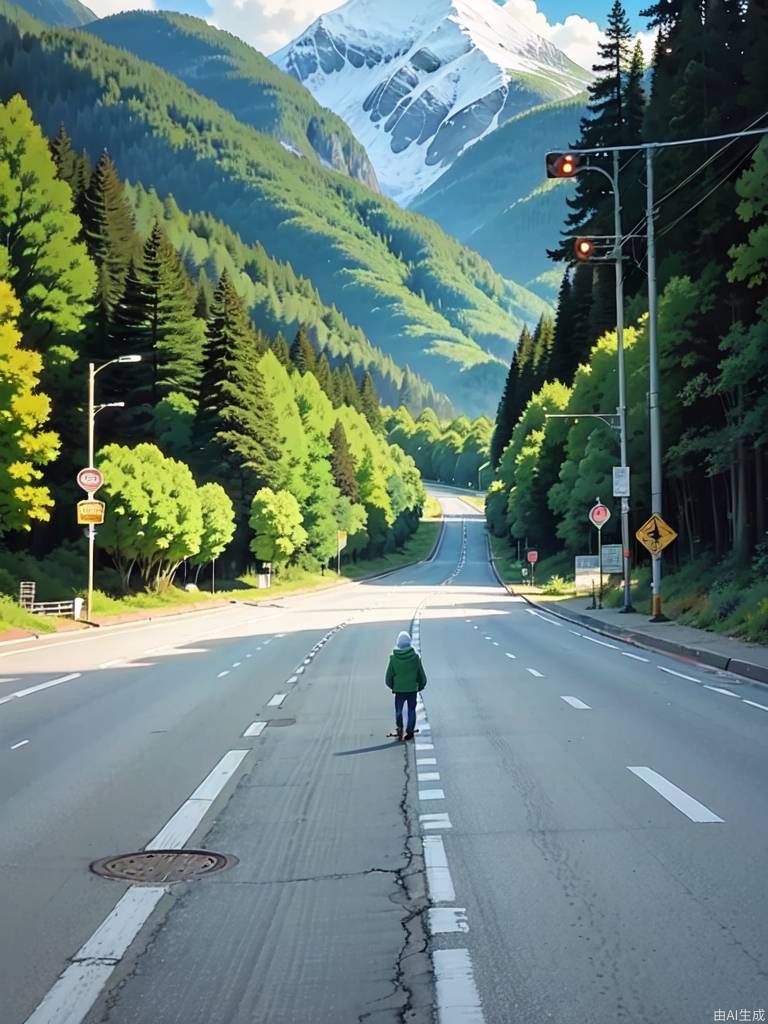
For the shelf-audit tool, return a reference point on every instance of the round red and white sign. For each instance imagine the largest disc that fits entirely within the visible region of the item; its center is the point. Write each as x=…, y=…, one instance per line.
x=533, y=557
x=90, y=479
x=599, y=515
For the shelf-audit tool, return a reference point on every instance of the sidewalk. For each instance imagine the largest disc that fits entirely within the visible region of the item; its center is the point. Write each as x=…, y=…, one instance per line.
x=723, y=652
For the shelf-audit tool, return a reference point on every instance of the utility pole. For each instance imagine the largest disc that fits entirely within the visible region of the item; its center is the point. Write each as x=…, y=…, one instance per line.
x=654, y=409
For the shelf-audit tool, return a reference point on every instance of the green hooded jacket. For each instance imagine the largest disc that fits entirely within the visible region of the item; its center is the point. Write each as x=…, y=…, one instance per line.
x=405, y=673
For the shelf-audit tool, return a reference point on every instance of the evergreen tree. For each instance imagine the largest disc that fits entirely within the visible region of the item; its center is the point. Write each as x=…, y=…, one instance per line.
x=634, y=98
x=204, y=297
x=109, y=233
x=369, y=402
x=64, y=156
x=572, y=342
x=504, y=426
x=543, y=341
x=281, y=350
x=175, y=335
x=323, y=374
x=342, y=464
x=302, y=354
x=350, y=393
x=235, y=426
x=602, y=310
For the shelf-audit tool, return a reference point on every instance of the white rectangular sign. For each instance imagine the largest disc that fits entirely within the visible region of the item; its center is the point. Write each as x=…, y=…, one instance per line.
x=586, y=572
x=621, y=481
x=612, y=558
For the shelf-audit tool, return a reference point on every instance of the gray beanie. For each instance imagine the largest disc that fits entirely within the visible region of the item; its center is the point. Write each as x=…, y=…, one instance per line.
x=403, y=641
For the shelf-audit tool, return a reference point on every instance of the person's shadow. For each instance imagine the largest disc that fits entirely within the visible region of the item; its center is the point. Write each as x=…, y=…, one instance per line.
x=368, y=750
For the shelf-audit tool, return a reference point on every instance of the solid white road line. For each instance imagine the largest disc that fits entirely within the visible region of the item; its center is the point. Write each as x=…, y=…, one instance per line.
x=443, y=920
x=277, y=700
x=439, y=881
x=680, y=675
x=426, y=760
x=428, y=776
x=180, y=827
x=635, y=657
x=576, y=703
x=21, y=743
x=255, y=729
x=753, y=704
x=533, y=672
x=602, y=643
x=40, y=686
x=458, y=1001
x=719, y=689
x=435, y=821
x=431, y=794
x=677, y=797
x=575, y=632
x=77, y=989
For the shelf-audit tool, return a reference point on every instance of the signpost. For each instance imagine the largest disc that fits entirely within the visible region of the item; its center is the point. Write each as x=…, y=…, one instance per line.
x=621, y=481
x=90, y=480
x=532, y=558
x=612, y=558
x=90, y=513
x=599, y=515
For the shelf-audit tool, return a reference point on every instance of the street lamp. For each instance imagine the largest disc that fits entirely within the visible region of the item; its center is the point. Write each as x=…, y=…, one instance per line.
x=566, y=167
x=93, y=409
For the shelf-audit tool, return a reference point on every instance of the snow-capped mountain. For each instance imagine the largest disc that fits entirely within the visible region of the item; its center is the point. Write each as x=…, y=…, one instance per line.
x=419, y=81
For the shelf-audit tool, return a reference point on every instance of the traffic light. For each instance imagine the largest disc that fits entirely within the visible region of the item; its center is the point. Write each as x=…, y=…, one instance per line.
x=562, y=165
x=583, y=247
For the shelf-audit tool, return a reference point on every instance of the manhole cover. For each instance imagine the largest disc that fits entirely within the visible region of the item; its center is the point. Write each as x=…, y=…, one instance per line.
x=281, y=721
x=162, y=866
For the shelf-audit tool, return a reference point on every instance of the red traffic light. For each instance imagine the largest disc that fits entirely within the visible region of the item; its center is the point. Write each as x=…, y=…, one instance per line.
x=583, y=248
x=562, y=165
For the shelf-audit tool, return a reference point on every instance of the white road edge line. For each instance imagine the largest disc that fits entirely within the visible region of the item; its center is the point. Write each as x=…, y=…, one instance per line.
x=680, y=675
x=40, y=686
x=71, y=997
x=690, y=807
x=719, y=689
x=576, y=703
x=458, y=1001
x=439, y=881
x=754, y=704
x=635, y=657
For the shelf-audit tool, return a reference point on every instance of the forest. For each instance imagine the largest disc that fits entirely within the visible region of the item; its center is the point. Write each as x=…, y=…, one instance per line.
x=221, y=441
x=709, y=77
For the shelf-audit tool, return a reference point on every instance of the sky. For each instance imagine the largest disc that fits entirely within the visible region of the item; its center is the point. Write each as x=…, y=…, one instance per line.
x=573, y=25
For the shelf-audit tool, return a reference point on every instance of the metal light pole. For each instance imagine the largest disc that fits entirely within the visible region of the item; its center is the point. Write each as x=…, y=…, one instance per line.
x=92, y=411
x=654, y=408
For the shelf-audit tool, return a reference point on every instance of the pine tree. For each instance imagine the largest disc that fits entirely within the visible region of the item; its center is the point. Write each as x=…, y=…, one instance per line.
x=634, y=98
x=175, y=335
x=64, y=156
x=302, y=354
x=543, y=341
x=369, y=403
x=236, y=425
x=109, y=233
x=342, y=464
x=281, y=350
x=350, y=393
x=204, y=297
x=602, y=310
x=504, y=426
x=322, y=372
x=572, y=342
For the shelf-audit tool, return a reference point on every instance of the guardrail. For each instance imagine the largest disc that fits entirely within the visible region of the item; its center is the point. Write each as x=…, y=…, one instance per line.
x=73, y=607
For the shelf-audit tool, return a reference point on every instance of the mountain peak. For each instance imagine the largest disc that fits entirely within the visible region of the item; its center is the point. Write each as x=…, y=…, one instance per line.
x=419, y=81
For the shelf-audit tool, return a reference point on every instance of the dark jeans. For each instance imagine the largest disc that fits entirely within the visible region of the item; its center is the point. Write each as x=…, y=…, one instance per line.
x=410, y=700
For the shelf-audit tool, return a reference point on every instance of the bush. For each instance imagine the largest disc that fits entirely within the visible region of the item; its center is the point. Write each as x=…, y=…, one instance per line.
x=557, y=585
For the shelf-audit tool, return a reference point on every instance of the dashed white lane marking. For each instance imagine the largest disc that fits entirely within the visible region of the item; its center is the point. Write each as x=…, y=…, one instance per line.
x=293, y=679
x=300, y=670
x=443, y=920
x=576, y=703
x=603, y=643
x=512, y=656
x=255, y=729
x=431, y=794
x=40, y=686
x=719, y=689
x=439, y=881
x=426, y=760
x=435, y=821
x=236, y=664
x=495, y=643
x=680, y=675
x=475, y=627
x=265, y=642
x=21, y=743
x=249, y=655
x=486, y=638
x=425, y=746
x=754, y=704
x=75, y=992
x=575, y=632
x=277, y=700
x=635, y=657
x=428, y=776
x=458, y=1001
x=279, y=636
x=677, y=797
x=533, y=672
x=222, y=674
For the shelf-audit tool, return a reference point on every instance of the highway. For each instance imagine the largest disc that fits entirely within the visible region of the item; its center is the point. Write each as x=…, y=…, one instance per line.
x=578, y=833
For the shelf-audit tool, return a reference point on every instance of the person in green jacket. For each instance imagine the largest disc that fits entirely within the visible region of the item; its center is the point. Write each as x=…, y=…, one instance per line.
x=405, y=677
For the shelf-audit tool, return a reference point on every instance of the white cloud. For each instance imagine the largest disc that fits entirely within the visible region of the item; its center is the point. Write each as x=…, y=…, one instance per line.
x=103, y=8
x=267, y=24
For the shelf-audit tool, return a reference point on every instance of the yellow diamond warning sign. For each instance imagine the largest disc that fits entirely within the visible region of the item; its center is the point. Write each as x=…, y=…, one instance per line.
x=655, y=535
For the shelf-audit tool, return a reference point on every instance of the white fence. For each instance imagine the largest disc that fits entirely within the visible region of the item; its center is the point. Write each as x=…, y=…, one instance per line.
x=72, y=608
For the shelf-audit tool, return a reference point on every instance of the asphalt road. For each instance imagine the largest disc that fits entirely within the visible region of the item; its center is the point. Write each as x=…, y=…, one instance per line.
x=579, y=833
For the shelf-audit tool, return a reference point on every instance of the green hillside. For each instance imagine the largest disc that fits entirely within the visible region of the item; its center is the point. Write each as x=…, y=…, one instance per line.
x=243, y=81
x=495, y=197
x=67, y=13
x=423, y=298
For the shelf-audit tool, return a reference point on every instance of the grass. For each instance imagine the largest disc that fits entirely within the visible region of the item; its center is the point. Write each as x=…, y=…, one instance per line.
x=432, y=509
x=475, y=500
x=14, y=617
x=415, y=549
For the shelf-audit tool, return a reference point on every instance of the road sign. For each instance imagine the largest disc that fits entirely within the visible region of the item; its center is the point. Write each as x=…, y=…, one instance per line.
x=533, y=557
x=655, y=535
x=586, y=572
x=612, y=555
x=90, y=479
x=599, y=515
x=621, y=481
x=342, y=539
x=90, y=513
